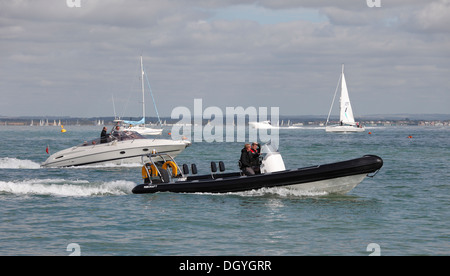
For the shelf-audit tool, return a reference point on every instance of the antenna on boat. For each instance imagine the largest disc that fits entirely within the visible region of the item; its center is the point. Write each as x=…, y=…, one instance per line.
x=143, y=94
x=114, y=107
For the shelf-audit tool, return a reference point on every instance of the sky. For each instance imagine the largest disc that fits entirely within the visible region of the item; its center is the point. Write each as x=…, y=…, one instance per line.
x=57, y=60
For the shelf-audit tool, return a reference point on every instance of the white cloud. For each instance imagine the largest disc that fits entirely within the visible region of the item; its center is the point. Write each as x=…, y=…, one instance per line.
x=434, y=17
x=52, y=53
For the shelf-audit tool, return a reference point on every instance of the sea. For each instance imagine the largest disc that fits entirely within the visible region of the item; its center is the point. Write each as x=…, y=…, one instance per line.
x=403, y=210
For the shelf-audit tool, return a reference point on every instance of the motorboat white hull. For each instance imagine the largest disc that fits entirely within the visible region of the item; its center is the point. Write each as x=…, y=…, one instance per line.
x=116, y=152
x=344, y=129
x=341, y=185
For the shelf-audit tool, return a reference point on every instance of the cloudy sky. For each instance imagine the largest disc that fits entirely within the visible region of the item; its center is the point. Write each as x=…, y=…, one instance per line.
x=62, y=61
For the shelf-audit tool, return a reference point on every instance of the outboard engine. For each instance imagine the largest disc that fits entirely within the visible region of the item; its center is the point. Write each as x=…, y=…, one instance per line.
x=272, y=162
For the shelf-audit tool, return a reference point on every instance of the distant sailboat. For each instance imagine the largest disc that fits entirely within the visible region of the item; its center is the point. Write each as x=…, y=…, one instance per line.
x=139, y=126
x=347, y=120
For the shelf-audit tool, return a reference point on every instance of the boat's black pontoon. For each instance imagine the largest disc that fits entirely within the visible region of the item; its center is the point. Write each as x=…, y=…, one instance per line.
x=162, y=174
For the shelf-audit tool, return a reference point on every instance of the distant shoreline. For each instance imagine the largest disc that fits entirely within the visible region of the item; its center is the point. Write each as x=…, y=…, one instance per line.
x=300, y=120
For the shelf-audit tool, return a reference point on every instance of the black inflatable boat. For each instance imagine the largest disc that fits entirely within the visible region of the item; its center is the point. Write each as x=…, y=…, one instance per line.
x=164, y=175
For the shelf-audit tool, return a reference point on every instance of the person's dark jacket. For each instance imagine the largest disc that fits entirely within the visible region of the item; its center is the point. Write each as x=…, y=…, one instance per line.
x=246, y=160
x=254, y=157
x=103, y=137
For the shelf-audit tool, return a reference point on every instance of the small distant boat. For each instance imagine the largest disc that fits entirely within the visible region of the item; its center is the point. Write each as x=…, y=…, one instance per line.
x=140, y=127
x=347, y=120
x=262, y=125
x=162, y=174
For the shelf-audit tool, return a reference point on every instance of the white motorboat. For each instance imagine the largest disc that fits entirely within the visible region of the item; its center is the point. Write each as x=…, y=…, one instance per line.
x=262, y=125
x=347, y=120
x=121, y=147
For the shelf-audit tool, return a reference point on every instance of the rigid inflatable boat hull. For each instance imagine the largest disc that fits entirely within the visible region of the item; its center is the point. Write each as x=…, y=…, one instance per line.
x=340, y=177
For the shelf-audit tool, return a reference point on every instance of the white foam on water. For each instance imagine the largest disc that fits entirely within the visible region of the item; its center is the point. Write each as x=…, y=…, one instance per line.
x=279, y=191
x=283, y=192
x=66, y=188
x=14, y=163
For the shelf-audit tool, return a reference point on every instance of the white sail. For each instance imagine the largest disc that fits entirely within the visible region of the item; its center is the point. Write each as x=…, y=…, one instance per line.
x=346, y=114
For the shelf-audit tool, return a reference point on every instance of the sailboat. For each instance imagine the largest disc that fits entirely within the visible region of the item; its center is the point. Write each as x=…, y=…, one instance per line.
x=347, y=120
x=139, y=126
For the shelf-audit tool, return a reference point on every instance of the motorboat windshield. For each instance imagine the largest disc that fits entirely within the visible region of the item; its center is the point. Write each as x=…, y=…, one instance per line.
x=115, y=136
x=127, y=135
x=272, y=161
x=268, y=148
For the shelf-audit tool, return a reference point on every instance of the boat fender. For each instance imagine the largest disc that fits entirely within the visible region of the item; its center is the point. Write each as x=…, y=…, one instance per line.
x=165, y=175
x=221, y=166
x=172, y=165
x=194, y=168
x=213, y=167
x=185, y=169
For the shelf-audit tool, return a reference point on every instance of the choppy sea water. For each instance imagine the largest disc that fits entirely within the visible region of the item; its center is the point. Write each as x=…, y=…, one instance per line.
x=404, y=209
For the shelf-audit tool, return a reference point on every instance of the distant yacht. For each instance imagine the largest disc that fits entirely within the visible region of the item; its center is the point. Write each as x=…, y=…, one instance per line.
x=139, y=126
x=347, y=120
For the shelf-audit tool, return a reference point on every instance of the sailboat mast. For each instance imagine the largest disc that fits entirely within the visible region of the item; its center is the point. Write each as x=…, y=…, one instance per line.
x=143, y=92
x=114, y=108
x=334, y=97
x=341, y=108
x=153, y=98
